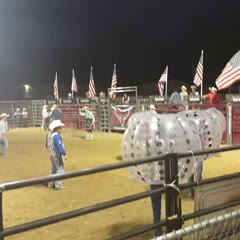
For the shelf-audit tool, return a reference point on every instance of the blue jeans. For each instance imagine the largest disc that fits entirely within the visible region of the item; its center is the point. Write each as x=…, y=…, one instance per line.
x=199, y=171
x=4, y=145
x=156, y=207
x=57, y=167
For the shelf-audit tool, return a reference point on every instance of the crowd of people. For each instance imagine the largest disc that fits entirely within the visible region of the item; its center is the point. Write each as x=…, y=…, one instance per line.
x=181, y=98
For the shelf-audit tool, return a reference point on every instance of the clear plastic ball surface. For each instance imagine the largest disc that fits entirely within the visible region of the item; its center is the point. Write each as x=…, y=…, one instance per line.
x=151, y=135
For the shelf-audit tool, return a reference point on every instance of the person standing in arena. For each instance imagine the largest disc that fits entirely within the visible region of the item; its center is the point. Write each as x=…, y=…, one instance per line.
x=56, y=113
x=57, y=153
x=18, y=116
x=3, y=133
x=156, y=199
x=90, y=120
x=45, y=117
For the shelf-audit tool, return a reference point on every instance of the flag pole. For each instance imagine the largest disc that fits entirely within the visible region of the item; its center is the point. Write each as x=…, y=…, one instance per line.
x=166, y=84
x=72, y=82
x=201, y=81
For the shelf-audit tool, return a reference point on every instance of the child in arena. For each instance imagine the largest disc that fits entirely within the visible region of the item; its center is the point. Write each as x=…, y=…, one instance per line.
x=57, y=151
x=89, y=118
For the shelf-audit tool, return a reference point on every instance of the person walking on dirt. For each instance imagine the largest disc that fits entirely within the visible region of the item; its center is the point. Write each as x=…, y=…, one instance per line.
x=3, y=133
x=90, y=120
x=56, y=151
x=45, y=120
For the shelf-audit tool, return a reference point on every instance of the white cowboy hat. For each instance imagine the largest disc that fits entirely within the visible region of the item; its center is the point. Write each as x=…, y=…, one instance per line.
x=18, y=109
x=213, y=89
x=45, y=106
x=56, y=123
x=152, y=107
x=184, y=87
x=4, y=115
x=193, y=86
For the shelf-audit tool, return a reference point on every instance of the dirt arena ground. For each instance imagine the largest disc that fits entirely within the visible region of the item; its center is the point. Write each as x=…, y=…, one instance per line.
x=28, y=158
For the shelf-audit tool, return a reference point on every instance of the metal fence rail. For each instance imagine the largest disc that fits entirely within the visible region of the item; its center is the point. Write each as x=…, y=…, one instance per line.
x=210, y=229
x=90, y=209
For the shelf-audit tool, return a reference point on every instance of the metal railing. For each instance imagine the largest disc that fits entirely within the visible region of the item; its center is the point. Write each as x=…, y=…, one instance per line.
x=172, y=206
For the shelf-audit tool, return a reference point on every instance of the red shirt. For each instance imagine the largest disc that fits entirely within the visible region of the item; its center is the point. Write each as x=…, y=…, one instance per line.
x=213, y=98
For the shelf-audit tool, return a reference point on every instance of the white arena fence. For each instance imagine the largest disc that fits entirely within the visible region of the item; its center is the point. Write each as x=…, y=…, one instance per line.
x=174, y=216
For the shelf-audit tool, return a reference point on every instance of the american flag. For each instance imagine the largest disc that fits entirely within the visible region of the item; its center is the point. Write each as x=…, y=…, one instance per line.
x=91, y=88
x=55, y=87
x=74, y=82
x=230, y=74
x=199, y=72
x=114, y=82
x=162, y=81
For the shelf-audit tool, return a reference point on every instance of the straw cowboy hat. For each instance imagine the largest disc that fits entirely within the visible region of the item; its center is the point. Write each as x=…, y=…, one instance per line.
x=85, y=108
x=54, y=106
x=213, y=89
x=193, y=87
x=152, y=107
x=56, y=123
x=3, y=115
x=184, y=87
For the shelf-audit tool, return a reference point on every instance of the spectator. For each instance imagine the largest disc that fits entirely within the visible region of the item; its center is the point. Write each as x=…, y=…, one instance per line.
x=24, y=117
x=125, y=99
x=176, y=99
x=18, y=116
x=194, y=92
x=152, y=108
x=212, y=96
x=184, y=97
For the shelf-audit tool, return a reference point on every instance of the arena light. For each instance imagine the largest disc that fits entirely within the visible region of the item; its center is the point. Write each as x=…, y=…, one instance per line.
x=27, y=88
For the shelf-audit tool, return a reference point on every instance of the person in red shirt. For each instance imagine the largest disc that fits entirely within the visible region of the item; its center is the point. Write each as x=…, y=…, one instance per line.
x=212, y=96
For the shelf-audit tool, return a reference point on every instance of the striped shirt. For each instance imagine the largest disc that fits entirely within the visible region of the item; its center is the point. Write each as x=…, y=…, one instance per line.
x=55, y=145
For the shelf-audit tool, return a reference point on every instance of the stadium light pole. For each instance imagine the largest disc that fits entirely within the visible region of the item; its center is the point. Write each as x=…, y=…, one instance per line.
x=27, y=90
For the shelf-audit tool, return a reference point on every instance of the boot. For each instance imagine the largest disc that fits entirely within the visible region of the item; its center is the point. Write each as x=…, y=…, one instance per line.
x=88, y=136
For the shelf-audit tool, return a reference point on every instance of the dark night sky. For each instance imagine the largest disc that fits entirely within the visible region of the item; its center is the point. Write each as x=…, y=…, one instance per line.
x=39, y=37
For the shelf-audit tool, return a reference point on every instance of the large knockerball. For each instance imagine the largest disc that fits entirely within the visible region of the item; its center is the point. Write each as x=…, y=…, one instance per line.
x=209, y=129
x=151, y=135
x=219, y=117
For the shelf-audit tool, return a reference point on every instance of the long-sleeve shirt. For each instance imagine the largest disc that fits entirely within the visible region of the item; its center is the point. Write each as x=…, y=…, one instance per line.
x=213, y=98
x=3, y=128
x=56, y=114
x=175, y=98
x=55, y=145
x=87, y=115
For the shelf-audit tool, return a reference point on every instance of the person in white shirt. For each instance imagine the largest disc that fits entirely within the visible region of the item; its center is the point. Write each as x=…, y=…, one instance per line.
x=184, y=97
x=3, y=133
x=24, y=117
x=45, y=117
